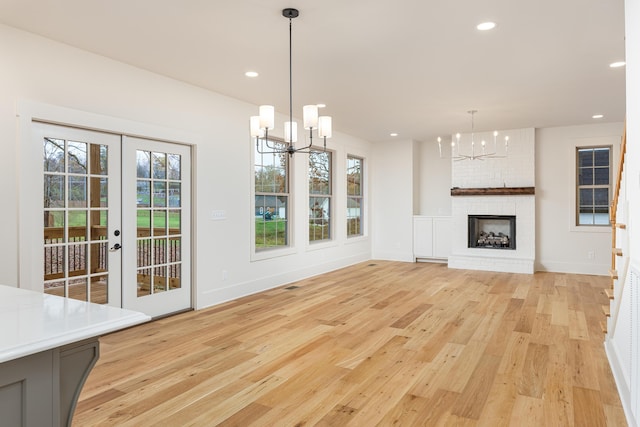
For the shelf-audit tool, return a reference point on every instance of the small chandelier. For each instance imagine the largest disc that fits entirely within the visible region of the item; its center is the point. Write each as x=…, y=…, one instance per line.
x=470, y=153
x=261, y=125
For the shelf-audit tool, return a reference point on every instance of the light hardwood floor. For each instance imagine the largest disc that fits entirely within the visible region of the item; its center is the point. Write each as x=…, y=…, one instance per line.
x=380, y=343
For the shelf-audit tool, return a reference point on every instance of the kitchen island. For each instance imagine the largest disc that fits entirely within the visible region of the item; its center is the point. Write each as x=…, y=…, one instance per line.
x=48, y=346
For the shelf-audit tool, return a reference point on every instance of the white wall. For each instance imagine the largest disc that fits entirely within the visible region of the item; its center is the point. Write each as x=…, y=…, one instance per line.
x=435, y=180
x=392, y=193
x=623, y=342
x=37, y=69
x=632, y=16
x=563, y=247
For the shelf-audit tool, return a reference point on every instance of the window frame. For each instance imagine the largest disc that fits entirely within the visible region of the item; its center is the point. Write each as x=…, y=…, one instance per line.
x=578, y=186
x=278, y=250
x=328, y=195
x=359, y=196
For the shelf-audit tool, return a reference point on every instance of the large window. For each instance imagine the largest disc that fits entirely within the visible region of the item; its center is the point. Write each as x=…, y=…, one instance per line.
x=271, y=180
x=320, y=192
x=354, y=196
x=593, y=189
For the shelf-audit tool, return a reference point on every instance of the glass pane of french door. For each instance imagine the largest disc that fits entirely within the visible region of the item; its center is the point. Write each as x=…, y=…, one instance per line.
x=81, y=213
x=157, y=189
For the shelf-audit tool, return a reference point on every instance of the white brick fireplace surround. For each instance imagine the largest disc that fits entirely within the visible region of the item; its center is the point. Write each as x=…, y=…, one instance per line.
x=515, y=171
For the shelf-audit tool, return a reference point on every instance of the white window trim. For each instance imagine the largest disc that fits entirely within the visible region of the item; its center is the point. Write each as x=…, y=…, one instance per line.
x=332, y=241
x=290, y=249
x=364, y=213
x=613, y=141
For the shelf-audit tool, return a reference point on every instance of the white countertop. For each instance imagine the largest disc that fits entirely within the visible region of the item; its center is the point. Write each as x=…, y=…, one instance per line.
x=31, y=322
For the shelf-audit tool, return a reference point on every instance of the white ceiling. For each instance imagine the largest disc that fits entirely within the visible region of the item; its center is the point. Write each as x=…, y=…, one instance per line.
x=413, y=67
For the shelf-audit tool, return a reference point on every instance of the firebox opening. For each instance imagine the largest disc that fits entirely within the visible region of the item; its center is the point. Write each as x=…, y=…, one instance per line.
x=492, y=231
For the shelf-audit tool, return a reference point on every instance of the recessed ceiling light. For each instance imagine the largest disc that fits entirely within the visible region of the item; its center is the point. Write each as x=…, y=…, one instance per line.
x=617, y=64
x=597, y=116
x=486, y=26
x=251, y=74
x=393, y=134
x=321, y=105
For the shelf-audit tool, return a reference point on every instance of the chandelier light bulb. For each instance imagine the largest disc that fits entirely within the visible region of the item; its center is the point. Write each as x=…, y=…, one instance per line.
x=267, y=117
x=324, y=126
x=310, y=116
x=254, y=125
x=291, y=132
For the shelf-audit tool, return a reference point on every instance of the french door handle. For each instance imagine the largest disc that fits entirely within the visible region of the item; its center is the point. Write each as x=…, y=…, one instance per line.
x=115, y=247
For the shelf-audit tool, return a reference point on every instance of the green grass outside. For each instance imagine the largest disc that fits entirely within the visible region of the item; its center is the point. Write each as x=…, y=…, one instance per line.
x=270, y=234
x=143, y=220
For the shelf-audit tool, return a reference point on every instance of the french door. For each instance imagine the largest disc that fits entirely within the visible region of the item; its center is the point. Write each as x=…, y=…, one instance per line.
x=156, y=226
x=116, y=216
x=81, y=202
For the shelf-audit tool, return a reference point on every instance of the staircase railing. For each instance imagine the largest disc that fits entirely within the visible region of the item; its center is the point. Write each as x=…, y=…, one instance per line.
x=615, y=251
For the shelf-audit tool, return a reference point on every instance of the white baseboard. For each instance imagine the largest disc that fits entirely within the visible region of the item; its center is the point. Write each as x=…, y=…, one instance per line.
x=234, y=291
x=573, y=268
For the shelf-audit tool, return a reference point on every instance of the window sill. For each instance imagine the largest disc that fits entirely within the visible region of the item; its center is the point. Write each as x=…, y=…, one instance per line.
x=271, y=253
x=590, y=228
x=315, y=246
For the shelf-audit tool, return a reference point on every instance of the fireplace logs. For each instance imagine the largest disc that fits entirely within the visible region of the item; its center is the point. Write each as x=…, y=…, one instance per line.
x=492, y=231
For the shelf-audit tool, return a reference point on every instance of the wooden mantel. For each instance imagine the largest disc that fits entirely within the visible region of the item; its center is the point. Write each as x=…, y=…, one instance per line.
x=496, y=191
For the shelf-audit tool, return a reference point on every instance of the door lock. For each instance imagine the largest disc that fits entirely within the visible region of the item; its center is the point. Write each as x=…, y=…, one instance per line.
x=115, y=247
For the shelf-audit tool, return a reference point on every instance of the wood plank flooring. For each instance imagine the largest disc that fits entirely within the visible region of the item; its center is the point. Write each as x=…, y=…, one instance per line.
x=376, y=344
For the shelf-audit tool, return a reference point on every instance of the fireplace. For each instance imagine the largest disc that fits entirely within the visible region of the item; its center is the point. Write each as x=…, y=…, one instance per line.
x=492, y=231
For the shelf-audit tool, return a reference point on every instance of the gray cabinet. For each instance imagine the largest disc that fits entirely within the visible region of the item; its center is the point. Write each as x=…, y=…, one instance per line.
x=42, y=389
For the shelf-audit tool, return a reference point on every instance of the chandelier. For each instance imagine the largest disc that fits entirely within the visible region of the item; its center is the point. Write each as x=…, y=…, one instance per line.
x=471, y=152
x=261, y=125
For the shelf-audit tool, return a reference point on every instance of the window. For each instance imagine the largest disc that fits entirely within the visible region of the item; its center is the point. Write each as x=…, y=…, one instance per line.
x=320, y=196
x=593, y=189
x=354, y=196
x=75, y=219
x=271, y=181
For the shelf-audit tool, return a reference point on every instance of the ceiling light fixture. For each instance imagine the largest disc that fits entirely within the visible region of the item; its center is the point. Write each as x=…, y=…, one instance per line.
x=470, y=153
x=251, y=74
x=617, y=64
x=261, y=125
x=597, y=116
x=486, y=26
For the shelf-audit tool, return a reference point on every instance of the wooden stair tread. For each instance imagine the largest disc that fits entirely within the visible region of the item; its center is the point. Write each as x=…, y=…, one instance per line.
x=603, y=326
x=609, y=293
x=606, y=310
x=621, y=225
x=613, y=274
